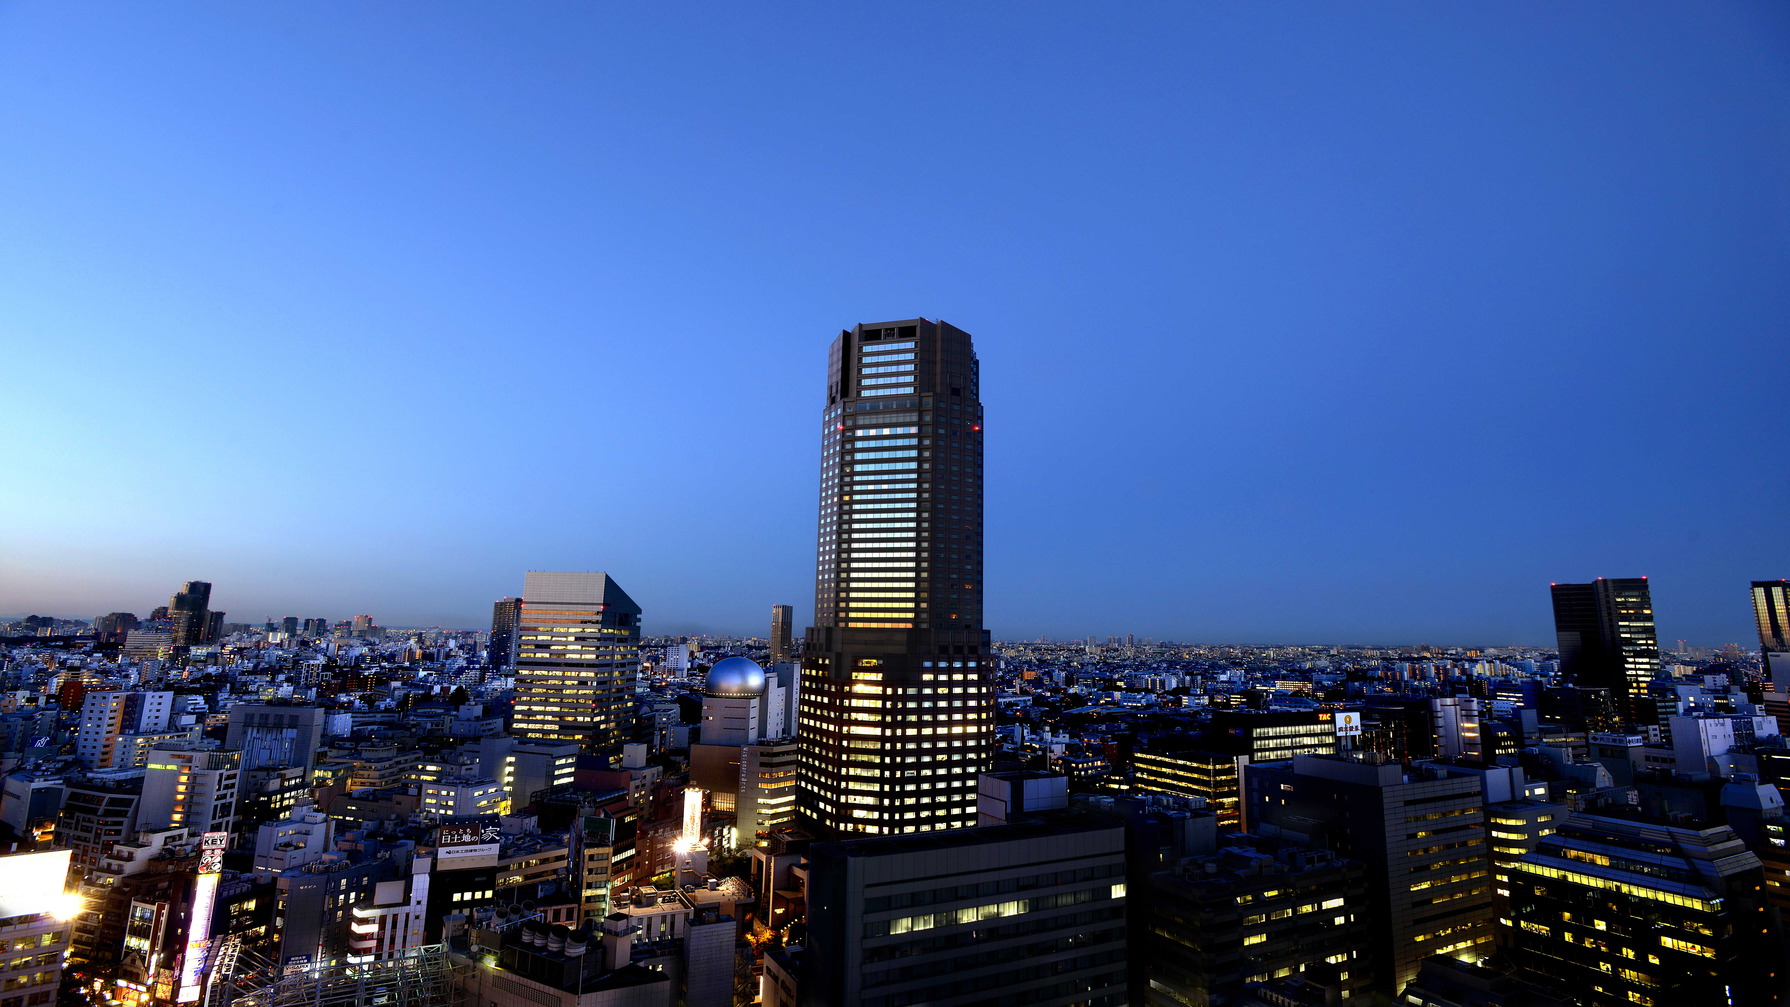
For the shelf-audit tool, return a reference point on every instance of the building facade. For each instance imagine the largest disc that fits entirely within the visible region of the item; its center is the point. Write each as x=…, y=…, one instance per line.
x=896, y=699
x=782, y=618
x=1621, y=910
x=1420, y=833
x=577, y=660
x=1771, y=610
x=1607, y=639
x=1023, y=913
x=506, y=614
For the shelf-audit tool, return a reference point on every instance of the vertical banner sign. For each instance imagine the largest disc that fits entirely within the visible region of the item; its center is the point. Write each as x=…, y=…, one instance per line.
x=205, y=894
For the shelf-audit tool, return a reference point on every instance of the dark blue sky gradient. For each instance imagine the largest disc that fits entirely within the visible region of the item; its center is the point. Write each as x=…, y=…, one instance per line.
x=1299, y=322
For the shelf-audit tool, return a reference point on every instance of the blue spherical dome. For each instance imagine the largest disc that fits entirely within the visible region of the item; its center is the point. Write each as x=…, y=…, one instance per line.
x=735, y=676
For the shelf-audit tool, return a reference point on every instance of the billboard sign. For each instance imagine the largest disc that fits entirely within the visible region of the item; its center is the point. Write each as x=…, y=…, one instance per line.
x=211, y=852
x=1348, y=724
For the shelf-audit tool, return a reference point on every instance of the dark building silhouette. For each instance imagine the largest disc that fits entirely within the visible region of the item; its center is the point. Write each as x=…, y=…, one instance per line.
x=190, y=612
x=897, y=704
x=1607, y=640
x=781, y=642
x=505, y=615
x=112, y=627
x=1418, y=830
x=1618, y=909
x=1027, y=912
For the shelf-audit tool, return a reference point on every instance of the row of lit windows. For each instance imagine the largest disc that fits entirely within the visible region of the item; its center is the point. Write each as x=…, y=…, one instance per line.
x=991, y=910
x=1608, y=884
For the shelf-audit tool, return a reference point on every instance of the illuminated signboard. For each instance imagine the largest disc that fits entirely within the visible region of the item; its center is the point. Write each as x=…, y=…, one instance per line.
x=466, y=840
x=1348, y=724
x=205, y=895
x=211, y=852
x=467, y=834
x=32, y=883
x=192, y=967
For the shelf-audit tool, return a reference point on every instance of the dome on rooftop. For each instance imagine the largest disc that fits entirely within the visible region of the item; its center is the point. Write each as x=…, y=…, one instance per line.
x=735, y=676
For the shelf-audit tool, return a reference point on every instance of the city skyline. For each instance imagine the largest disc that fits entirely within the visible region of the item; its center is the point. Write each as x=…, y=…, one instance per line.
x=1339, y=300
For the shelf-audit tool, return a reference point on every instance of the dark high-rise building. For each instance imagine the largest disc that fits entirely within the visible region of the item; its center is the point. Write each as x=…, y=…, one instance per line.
x=1607, y=640
x=112, y=627
x=577, y=660
x=781, y=645
x=1209, y=765
x=289, y=625
x=1771, y=607
x=1027, y=912
x=1619, y=909
x=897, y=706
x=505, y=614
x=190, y=611
x=1418, y=830
x=1256, y=910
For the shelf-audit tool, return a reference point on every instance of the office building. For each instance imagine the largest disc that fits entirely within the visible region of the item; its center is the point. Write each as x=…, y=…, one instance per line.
x=271, y=735
x=192, y=788
x=1027, y=912
x=767, y=790
x=97, y=811
x=526, y=769
x=897, y=702
x=461, y=796
x=1250, y=913
x=1624, y=910
x=577, y=660
x=1771, y=610
x=506, y=615
x=1607, y=640
x=189, y=611
x=109, y=718
x=1420, y=833
x=1209, y=766
x=112, y=627
x=1455, y=720
x=782, y=616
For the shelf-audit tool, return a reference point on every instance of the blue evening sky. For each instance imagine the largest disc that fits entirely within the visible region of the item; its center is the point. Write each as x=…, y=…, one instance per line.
x=1298, y=321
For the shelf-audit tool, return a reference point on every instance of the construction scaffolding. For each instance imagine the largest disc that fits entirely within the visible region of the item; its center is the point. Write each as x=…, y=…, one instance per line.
x=419, y=977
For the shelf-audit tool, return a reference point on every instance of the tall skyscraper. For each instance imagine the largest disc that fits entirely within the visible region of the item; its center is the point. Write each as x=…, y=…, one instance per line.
x=577, y=660
x=502, y=652
x=781, y=642
x=190, y=611
x=1607, y=639
x=1771, y=606
x=897, y=707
